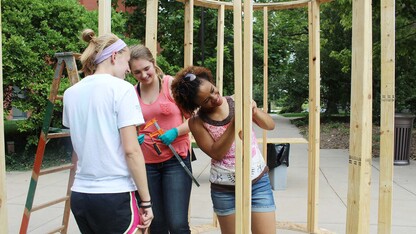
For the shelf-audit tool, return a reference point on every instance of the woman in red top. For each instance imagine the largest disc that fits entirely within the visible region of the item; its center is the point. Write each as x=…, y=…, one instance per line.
x=169, y=184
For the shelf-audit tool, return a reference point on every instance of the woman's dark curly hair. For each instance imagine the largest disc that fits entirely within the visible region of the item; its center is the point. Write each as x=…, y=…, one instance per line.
x=184, y=91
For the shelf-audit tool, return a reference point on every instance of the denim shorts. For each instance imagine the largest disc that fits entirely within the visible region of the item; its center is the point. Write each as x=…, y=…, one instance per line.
x=262, y=199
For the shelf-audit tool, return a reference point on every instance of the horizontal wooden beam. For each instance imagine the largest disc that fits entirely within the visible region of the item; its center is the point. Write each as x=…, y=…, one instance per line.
x=256, y=6
x=278, y=140
x=51, y=203
x=56, y=169
x=298, y=227
x=284, y=140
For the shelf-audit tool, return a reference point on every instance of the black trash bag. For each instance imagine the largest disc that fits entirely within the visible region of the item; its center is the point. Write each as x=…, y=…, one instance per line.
x=193, y=156
x=277, y=154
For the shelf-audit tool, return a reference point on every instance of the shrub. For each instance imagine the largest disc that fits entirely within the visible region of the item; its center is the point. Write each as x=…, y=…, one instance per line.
x=33, y=31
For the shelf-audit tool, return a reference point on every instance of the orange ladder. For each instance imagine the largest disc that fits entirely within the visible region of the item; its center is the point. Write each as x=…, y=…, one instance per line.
x=64, y=59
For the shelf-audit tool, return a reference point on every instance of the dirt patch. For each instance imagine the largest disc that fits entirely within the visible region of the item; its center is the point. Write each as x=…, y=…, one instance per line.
x=336, y=136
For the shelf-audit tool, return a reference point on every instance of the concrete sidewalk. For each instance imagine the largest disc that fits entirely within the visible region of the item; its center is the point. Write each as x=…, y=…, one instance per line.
x=291, y=202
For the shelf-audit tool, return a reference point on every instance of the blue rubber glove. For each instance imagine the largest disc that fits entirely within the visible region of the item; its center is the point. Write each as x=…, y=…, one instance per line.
x=140, y=138
x=169, y=136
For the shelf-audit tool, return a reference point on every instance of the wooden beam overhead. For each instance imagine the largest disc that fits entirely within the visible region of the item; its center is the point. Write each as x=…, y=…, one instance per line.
x=256, y=6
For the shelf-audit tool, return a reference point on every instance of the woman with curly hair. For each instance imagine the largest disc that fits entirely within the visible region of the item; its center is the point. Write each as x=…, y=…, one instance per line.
x=213, y=127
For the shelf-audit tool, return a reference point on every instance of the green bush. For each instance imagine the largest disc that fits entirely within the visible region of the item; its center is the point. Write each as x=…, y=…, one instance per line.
x=32, y=32
x=20, y=156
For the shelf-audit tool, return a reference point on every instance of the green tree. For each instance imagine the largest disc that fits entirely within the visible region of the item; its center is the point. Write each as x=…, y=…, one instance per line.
x=33, y=31
x=335, y=58
x=405, y=55
x=288, y=51
x=170, y=30
x=288, y=58
x=171, y=37
x=336, y=23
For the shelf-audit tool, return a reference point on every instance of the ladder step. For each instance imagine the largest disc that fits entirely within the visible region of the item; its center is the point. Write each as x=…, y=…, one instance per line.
x=58, y=132
x=58, y=135
x=56, y=169
x=57, y=230
x=77, y=56
x=64, y=60
x=47, y=204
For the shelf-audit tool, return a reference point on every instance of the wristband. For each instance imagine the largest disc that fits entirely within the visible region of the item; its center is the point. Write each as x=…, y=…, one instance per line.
x=146, y=206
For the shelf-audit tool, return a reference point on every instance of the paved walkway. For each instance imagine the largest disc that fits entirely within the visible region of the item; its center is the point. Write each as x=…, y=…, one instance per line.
x=291, y=202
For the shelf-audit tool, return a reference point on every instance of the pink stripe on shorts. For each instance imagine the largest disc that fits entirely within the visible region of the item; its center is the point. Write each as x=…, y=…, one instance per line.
x=135, y=219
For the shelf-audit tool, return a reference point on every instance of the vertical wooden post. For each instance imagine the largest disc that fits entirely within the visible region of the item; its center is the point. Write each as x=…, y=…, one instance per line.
x=247, y=112
x=220, y=48
x=151, y=26
x=104, y=17
x=265, y=72
x=314, y=116
x=220, y=64
x=189, y=36
x=387, y=115
x=3, y=191
x=238, y=97
x=359, y=169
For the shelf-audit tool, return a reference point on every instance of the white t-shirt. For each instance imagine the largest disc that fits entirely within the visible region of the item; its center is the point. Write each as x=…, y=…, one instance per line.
x=95, y=109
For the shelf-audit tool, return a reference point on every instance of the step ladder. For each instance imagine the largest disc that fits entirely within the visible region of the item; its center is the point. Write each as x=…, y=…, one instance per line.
x=64, y=60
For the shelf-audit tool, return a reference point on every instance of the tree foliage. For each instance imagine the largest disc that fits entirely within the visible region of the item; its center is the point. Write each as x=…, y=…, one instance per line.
x=171, y=37
x=289, y=51
x=337, y=32
x=406, y=55
x=170, y=31
x=33, y=31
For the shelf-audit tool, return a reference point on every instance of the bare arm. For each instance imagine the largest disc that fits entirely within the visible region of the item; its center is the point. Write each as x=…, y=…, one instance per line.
x=136, y=165
x=74, y=161
x=214, y=149
x=183, y=128
x=261, y=118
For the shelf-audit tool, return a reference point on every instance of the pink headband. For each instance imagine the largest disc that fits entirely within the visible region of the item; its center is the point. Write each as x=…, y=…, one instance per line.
x=106, y=53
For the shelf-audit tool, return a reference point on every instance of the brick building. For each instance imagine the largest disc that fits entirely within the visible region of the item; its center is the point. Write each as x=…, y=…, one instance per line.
x=93, y=5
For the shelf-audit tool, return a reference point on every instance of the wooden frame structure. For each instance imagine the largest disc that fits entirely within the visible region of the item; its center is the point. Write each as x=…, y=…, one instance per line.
x=243, y=84
x=361, y=99
x=387, y=116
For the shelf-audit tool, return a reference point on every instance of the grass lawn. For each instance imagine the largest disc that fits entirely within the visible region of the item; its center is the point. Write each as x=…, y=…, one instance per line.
x=335, y=132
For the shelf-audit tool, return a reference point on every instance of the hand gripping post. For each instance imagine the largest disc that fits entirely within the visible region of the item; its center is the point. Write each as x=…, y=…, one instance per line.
x=160, y=132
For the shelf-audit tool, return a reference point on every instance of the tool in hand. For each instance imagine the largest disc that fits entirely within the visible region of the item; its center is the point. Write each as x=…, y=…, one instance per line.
x=159, y=132
x=155, y=145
